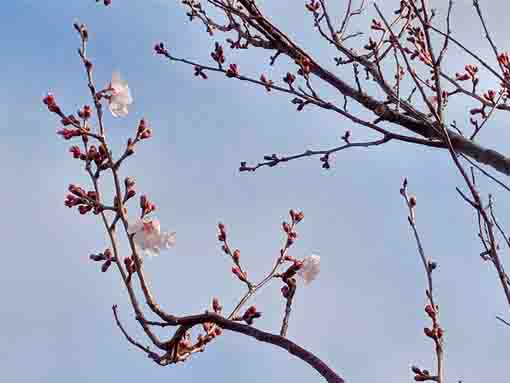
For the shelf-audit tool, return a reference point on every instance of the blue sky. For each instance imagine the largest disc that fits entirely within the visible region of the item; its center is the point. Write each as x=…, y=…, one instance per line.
x=363, y=315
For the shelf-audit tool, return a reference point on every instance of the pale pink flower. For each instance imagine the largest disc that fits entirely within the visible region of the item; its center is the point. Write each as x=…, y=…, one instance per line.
x=310, y=269
x=149, y=238
x=120, y=96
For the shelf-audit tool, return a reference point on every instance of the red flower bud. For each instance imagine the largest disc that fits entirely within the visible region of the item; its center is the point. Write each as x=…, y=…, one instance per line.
x=236, y=255
x=216, y=305
x=232, y=71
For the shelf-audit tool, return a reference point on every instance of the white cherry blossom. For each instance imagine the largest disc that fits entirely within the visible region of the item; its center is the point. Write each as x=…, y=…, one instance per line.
x=310, y=269
x=149, y=238
x=120, y=96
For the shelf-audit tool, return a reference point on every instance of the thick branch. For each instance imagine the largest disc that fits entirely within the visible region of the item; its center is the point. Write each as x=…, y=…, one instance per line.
x=419, y=123
x=262, y=336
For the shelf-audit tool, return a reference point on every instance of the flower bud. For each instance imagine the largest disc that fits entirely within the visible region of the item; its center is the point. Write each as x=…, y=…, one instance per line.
x=430, y=311
x=106, y=265
x=428, y=332
x=236, y=255
x=129, y=182
x=216, y=305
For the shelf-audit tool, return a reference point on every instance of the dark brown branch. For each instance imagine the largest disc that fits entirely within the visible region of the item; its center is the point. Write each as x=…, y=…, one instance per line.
x=265, y=337
x=503, y=321
x=145, y=349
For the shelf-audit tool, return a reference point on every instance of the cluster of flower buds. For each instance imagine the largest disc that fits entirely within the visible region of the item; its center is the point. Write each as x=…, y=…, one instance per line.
x=232, y=71
x=425, y=57
x=300, y=103
x=146, y=205
x=50, y=102
x=235, y=44
x=129, y=184
x=185, y=345
x=199, y=71
x=235, y=255
x=144, y=131
x=85, y=200
x=106, y=257
x=504, y=61
x=422, y=375
x=250, y=314
x=267, y=83
x=305, y=66
x=325, y=161
x=404, y=6
x=490, y=96
x=292, y=270
x=218, y=54
x=69, y=133
x=160, y=49
x=85, y=113
x=296, y=216
x=289, y=79
x=69, y=120
x=313, y=6
x=371, y=45
x=417, y=38
x=96, y=154
x=469, y=74
x=211, y=332
x=377, y=26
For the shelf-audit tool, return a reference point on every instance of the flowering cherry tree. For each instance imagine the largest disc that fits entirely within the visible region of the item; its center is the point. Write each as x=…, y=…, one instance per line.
x=395, y=75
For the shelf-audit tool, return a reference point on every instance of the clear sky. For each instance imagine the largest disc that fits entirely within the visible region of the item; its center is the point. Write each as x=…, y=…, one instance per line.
x=363, y=316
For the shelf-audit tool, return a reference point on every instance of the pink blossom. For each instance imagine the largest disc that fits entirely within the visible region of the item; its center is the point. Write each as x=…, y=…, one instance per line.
x=120, y=96
x=310, y=269
x=148, y=237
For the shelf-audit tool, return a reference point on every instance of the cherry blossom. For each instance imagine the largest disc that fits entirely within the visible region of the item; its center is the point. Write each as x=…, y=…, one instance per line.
x=149, y=238
x=311, y=268
x=120, y=96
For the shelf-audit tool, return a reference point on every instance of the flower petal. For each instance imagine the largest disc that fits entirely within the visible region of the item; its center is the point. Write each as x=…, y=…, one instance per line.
x=167, y=240
x=134, y=227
